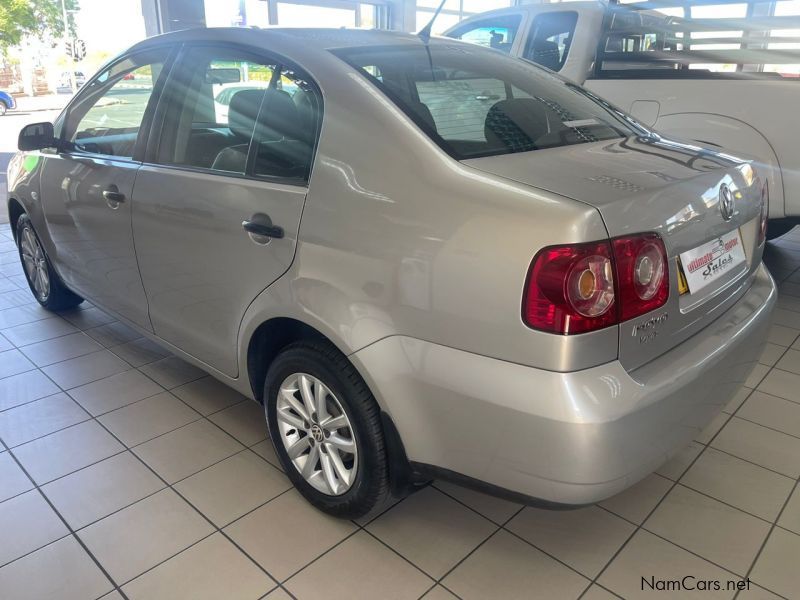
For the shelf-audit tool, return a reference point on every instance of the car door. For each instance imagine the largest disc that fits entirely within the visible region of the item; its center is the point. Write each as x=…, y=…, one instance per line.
x=217, y=203
x=87, y=185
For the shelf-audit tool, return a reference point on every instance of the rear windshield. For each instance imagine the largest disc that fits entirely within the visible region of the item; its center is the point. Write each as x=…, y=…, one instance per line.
x=478, y=102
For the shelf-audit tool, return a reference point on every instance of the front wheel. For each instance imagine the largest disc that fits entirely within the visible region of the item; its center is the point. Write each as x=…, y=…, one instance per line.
x=45, y=284
x=326, y=429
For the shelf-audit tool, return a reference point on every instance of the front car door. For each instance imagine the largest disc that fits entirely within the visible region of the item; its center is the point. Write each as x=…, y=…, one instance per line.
x=87, y=185
x=237, y=135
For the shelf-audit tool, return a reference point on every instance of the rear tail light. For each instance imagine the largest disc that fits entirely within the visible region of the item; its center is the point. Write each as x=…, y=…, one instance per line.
x=583, y=287
x=762, y=234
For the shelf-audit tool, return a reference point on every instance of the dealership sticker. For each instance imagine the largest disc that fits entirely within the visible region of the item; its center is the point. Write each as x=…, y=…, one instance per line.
x=713, y=260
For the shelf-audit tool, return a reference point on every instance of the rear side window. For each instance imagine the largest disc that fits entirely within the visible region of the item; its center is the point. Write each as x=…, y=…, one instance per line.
x=474, y=102
x=232, y=112
x=550, y=38
x=496, y=32
x=107, y=116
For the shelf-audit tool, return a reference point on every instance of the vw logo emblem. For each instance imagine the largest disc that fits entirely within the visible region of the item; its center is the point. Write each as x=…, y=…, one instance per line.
x=726, y=202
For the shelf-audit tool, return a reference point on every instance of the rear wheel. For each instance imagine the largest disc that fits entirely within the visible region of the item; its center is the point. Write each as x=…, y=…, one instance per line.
x=45, y=284
x=326, y=429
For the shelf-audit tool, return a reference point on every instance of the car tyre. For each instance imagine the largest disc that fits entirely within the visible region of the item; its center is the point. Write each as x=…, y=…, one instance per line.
x=321, y=411
x=45, y=284
x=3, y=108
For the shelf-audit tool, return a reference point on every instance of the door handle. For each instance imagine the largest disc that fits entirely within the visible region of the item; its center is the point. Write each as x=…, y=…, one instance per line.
x=113, y=197
x=271, y=231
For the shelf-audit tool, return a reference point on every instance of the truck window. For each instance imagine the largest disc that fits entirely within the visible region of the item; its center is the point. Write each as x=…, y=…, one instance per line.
x=495, y=32
x=550, y=38
x=693, y=39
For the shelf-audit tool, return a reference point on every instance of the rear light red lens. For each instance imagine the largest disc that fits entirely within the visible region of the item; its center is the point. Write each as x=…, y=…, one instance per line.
x=583, y=287
x=642, y=274
x=762, y=235
x=570, y=289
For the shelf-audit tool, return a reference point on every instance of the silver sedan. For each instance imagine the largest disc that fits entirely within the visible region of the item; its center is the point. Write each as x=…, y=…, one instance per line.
x=425, y=259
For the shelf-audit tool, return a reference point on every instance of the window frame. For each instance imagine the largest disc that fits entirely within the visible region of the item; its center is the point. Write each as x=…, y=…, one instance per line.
x=166, y=104
x=532, y=31
x=469, y=25
x=145, y=127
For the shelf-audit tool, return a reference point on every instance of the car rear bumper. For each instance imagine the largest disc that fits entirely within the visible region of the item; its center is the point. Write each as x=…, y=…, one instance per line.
x=564, y=438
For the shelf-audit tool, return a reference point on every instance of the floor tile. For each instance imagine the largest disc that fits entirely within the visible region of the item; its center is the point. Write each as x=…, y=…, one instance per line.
x=790, y=518
x=782, y=383
x=782, y=336
x=771, y=411
x=506, y=567
x=84, y=369
x=737, y=400
x=11, y=317
x=66, y=451
x=207, y=395
x=139, y=537
x=287, y=533
x=52, y=351
x=25, y=387
x=639, y=500
x=756, y=375
x=649, y=557
x=86, y=319
x=233, y=487
x=13, y=362
x=771, y=354
x=27, y=523
x=364, y=568
x=708, y=433
x=754, y=592
x=724, y=535
x=113, y=334
x=71, y=574
x=266, y=450
x=39, y=418
x=139, y=352
x=97, y=491
x=148, y=418
x=114, y=392
x=172, y=372
x=496, y=509
x=211, y=569
x=244, y=421
x=786, y=318
x=277, y=594
x=677, y=465
x=187, y=450
x=15, y=297
x=739, y=483
x=5, y=344
x=13, y=480
x=597, y=593
x=584, y=539
x=771, y=449
x=432, y=530
x=776, y=567
x=38, y=331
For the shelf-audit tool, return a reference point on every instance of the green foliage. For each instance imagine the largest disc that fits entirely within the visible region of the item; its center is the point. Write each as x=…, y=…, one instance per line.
x=42, y=18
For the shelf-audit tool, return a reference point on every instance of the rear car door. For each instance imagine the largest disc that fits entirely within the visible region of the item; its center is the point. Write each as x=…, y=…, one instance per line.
x=219, y=198
x=86, y=187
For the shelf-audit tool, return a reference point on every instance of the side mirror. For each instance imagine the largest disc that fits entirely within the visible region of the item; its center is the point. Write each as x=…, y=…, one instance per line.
x=36, y=136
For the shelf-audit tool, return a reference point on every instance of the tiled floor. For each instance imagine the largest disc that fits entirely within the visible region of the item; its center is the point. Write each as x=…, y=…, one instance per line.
x=127, y=473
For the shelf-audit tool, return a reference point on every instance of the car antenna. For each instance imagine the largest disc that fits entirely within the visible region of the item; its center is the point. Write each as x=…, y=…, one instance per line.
x=425, y=33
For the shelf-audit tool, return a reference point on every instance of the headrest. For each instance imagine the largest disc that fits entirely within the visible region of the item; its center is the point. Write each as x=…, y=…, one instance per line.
x=243, y=110
x=515, y=124
x=546, y=53
x=280, y=118
x=423, y=113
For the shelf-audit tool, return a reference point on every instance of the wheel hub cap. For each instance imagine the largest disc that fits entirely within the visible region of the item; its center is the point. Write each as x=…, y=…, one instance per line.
x=317, y=434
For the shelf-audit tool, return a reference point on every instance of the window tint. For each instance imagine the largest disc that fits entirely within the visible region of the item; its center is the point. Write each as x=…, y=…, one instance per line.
x=108, y=114
x=232, y=112
x=550, y=38
x=497, y=32
x=475, y=102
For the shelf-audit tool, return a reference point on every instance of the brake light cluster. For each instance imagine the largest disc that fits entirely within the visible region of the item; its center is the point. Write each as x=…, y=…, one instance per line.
x=584, y=287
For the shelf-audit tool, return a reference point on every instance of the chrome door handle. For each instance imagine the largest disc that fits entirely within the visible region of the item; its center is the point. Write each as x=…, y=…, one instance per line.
x=113, y=197
x=271, y=231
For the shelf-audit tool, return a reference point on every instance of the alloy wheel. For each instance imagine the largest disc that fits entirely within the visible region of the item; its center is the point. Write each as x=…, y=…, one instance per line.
x=317, y=434
x=35, y=263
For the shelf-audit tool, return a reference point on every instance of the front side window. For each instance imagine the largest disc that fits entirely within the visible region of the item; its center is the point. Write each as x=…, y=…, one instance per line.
x=496, y=32
x=230, y=111
x=107, y=116
x=474, y=102
x=550, y=38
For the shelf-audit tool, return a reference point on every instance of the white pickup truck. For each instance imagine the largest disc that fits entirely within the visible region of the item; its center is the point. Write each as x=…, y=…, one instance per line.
x=726, y=74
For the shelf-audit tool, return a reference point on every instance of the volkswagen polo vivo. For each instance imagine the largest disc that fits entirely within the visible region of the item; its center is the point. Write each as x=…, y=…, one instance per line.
x=425, y=259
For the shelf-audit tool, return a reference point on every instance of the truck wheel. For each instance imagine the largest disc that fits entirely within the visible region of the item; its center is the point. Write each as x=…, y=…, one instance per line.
x=326, y=428
x=45, y=284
